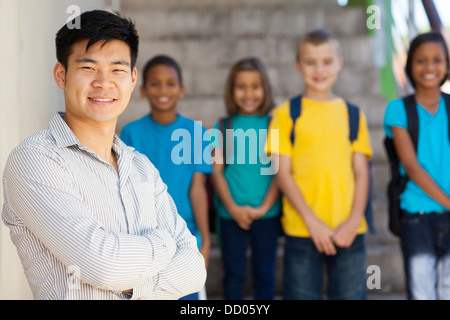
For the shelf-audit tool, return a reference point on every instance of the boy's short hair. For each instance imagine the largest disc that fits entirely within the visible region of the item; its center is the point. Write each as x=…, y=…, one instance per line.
x=97, y=25
x=248, y=64
x=317, y=37
x=432, y=36
x=162, y=60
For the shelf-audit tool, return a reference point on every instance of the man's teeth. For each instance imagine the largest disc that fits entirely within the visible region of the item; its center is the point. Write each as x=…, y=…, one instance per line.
x=102, y=100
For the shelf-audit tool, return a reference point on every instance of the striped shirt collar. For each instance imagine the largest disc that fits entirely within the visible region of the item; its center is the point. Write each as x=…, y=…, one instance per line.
x=64, y=136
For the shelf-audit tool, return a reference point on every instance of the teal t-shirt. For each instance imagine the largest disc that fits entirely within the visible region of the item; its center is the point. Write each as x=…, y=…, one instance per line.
x=248, y=170
x=433, y=153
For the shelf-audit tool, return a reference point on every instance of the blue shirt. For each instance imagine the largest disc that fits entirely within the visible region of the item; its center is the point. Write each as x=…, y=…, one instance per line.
x=433, y=153
x=177, y=150
x=247, y=166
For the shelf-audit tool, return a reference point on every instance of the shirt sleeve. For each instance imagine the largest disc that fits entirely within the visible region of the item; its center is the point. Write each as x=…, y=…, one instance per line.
x=394, y=116
x=186, y=271
x=278, y=136
x=362, y=143
x=48, y=203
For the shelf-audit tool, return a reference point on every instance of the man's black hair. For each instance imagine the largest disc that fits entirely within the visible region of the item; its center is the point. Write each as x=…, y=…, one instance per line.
x=97, y=25
x=164, y=60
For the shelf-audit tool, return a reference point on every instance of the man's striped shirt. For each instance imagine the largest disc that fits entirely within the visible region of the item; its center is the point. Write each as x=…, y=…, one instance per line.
x=84, y=231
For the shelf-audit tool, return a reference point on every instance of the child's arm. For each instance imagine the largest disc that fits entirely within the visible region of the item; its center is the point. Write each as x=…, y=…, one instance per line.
x=270, y=198
x=240, y=214
x=199, y=202
x=407, y=155
x=320, y=233
x=346, y=232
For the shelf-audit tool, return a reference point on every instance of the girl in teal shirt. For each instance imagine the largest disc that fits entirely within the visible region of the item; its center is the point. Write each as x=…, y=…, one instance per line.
x=247, y=198
x=425, y=228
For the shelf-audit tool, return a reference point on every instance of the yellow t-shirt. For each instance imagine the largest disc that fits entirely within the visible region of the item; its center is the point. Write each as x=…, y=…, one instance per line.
x=321, y=160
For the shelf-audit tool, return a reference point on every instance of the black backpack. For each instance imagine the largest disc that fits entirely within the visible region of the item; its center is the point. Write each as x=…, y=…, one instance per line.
x=397, y=183
x=353, y=116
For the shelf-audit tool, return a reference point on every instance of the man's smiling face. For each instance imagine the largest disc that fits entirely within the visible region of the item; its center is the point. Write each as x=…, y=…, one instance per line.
x=98, y=82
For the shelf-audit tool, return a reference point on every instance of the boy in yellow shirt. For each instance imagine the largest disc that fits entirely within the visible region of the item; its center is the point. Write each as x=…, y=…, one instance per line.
x=324, y=177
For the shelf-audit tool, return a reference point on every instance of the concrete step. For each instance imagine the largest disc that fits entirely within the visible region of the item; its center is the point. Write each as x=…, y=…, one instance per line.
x=229, y=18
x=208, y=37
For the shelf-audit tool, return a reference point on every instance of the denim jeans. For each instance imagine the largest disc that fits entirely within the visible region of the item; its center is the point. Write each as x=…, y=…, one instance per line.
x=192, y=296
x=425, y=243
x=303, y=276
x=262, y=238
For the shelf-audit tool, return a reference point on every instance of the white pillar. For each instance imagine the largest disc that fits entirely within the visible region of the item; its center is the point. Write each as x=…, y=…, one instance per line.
x=29, y=97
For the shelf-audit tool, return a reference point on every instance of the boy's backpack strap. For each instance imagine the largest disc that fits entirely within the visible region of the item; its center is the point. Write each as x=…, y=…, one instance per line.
x=295, y=110
x=447, y=106
x=353, y=119
x=413, y=118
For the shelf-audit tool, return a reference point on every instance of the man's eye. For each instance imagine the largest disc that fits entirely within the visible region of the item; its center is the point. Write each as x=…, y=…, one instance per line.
x=87, y=68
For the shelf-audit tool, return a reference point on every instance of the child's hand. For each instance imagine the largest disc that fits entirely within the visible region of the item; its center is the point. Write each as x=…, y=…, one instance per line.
x=322, y=236
x=345, y=234
x=256, y=212
x=242, y=216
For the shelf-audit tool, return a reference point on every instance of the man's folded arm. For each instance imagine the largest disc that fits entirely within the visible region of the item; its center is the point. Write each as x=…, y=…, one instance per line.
x=48, y=203
x=186, y=273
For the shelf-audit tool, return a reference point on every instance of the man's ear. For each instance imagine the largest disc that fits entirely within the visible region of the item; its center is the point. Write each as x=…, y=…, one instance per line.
x=134, y=77
x=59, y=73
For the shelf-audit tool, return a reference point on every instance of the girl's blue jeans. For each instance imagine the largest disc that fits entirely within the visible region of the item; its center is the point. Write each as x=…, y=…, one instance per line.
x=305, y=267
x=425, y=243
x=262, y=239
